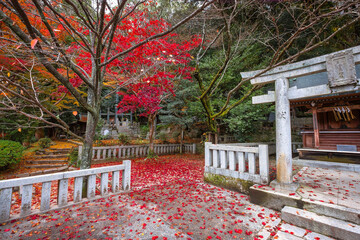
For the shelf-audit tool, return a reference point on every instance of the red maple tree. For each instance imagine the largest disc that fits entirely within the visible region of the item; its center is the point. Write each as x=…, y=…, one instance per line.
x=85, y=46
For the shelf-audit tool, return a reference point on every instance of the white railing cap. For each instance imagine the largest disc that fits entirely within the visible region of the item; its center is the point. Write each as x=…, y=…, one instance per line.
x=57, y=176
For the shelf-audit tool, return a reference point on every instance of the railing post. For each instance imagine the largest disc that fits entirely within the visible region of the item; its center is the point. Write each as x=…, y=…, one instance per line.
x=104, y=183
x=194, y=148
x=104, y=153
x=98, y=154
x=26, y=200
x=127, y=175
x=91, y=186
x=208, y=156
x=62, y=192
x=78, y=183
x=223, y=160
x=232, y=160
x=241, y=160
x=215, y=158
x=115, y=181
x=79, y=153
x=5, y=203
x=45, y=196
x=264, y=163
x=252, y=163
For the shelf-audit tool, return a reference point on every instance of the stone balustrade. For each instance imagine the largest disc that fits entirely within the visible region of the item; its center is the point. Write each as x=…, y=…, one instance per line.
x=127, y=151
x=241, y=162
x=26, y=188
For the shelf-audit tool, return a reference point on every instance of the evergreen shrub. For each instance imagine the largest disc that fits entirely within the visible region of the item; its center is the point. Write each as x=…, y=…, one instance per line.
x=10, y=153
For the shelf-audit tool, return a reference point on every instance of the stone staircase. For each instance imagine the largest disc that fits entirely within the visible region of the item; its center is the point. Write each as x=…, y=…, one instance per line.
x=51, y=158
x=323, y=224
x=327, y=203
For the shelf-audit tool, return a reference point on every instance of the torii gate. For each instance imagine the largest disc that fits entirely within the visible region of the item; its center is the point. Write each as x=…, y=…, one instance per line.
x=337, y=74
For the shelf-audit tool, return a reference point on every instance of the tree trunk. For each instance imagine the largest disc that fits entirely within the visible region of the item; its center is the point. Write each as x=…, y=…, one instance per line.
x=151, y=132
x=86, y=155
x=213, y=130
x=213, y=137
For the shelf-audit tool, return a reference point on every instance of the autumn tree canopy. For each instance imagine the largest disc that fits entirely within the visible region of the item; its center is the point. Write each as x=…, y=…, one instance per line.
x=82, y=45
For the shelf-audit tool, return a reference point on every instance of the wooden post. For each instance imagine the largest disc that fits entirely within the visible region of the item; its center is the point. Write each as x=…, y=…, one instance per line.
x=316, y=128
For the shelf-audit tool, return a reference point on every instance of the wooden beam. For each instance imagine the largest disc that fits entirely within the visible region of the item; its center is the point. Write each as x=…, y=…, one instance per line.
x=316, y=128
x=329, y=109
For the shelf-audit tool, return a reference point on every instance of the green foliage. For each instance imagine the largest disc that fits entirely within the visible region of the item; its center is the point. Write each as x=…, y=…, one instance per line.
x=68, y=117
x=124, y=139
x=10, y=153
x=163, y=137
x=246, y=120
x=73, y=157
x=140, y=141
x=183, y=109
x=98, y=128
x=151, y=156
x=44, y=142
x=144, y=129
x=102, y=143
x=175, y=134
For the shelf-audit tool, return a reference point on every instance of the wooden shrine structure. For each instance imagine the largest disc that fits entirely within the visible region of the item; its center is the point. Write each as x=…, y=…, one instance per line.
x=328, y=87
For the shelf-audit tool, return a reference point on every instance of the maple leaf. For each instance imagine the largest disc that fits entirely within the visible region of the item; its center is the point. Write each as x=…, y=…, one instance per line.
x=33, y=43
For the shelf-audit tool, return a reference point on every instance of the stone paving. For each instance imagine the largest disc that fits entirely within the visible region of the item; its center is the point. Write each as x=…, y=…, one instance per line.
x=179, y=209
x=177, y=204
x=330, y=186
x=325, y=185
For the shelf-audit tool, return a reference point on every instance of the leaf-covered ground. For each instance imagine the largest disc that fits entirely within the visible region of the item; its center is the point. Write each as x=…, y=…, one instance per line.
x=168, y=201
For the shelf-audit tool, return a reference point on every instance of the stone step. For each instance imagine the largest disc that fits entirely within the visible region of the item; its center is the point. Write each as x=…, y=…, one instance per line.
x=46, y=161
x=58, y=149
x=329, y=226
x=277, y=200
x=47, y=152
x=46, y=171
x=291, y=232
x=45, y=166
x=51, y=156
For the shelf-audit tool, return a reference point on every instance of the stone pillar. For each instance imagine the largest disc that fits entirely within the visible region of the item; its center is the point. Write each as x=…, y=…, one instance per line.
x=283, y=135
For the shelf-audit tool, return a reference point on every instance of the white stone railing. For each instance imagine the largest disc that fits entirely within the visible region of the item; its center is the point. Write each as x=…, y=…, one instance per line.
x=127, y=151
x=25, y=186
x=271, y=146
x=246, y=163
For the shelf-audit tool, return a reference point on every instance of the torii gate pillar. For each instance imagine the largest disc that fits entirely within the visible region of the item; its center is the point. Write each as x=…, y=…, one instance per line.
x=283, y=137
